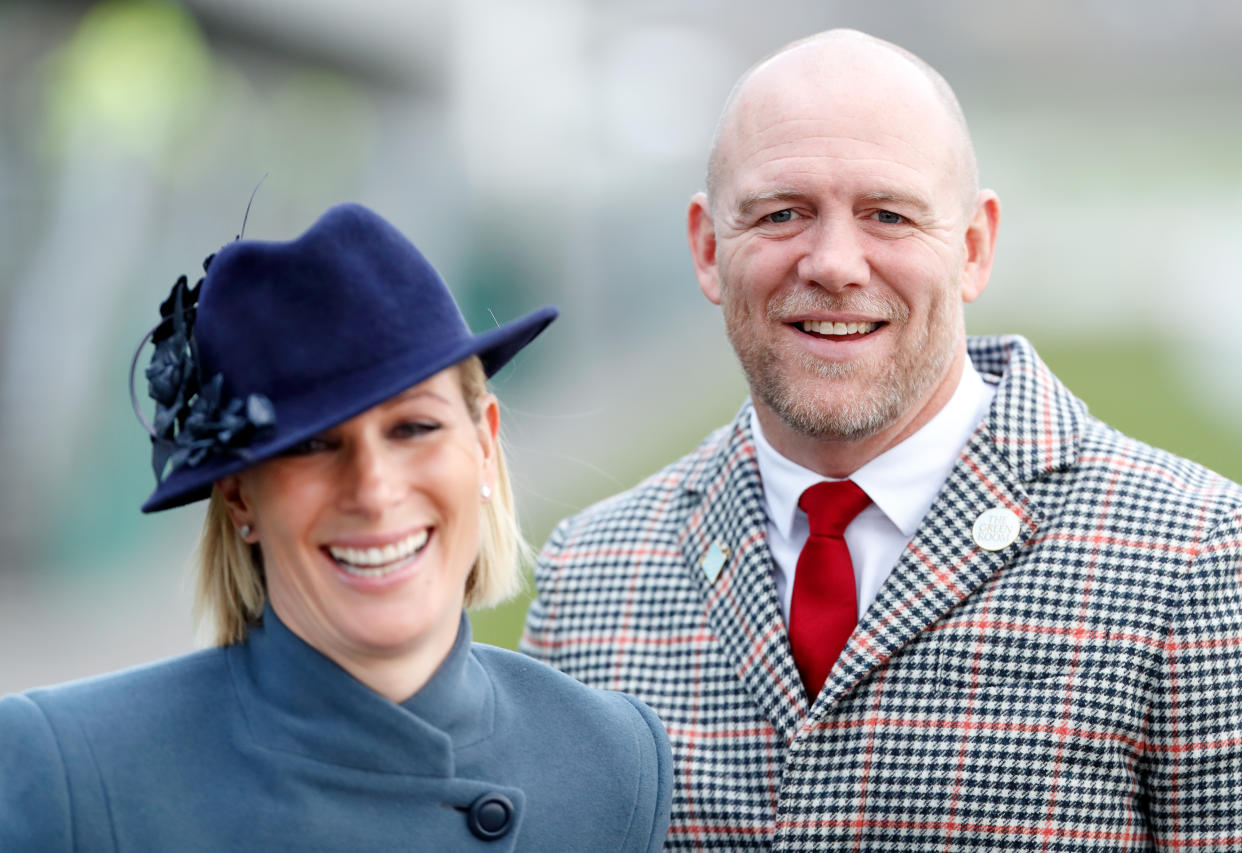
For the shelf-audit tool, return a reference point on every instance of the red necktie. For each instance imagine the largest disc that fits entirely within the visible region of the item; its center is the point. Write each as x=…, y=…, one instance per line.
x=824, y=609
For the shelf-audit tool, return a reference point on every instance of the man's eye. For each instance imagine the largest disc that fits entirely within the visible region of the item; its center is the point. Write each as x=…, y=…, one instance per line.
x=889, y=218
x=780, y=216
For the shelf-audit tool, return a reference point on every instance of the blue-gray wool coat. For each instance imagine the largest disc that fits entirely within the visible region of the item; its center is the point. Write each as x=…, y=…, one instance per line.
x=269, y=745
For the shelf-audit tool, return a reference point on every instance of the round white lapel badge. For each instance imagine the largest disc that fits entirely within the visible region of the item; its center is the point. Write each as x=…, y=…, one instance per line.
x=996, y=528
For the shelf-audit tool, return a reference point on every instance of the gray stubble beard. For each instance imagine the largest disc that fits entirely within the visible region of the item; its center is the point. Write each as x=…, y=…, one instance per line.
x=903, y=381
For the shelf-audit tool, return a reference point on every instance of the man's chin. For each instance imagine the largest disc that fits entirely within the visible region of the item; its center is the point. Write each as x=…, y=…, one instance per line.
x=846, y=417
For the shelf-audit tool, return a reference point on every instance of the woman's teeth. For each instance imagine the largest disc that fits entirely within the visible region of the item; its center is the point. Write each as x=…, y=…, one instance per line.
x=376, y=562
x=819, y=327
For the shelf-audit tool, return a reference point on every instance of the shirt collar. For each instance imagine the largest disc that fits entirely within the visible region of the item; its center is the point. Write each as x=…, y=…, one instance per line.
x=904, y=480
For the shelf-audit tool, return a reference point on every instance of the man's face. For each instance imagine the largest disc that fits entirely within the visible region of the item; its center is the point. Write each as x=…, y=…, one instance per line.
x=840, y=224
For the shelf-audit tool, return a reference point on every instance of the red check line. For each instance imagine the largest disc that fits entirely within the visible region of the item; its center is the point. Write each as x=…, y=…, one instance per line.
x=985, y=625
x=691, y=733
x=1017, y=509
x=865, y=782
x=1195, y=746
x=1181, y=483
x=1213, y=643
x=963, y=752
x=1225, y=546
x=1049, y=829
x=1174, y=719
x=1045, y=380
x=759, y=646
x=968, y=726
x=944, y=576
x=624, y=638
x=696, y=829
x=696, y=640
x=942, y=826
x=591, y=554
x=1216, y=842
x=1102, y=539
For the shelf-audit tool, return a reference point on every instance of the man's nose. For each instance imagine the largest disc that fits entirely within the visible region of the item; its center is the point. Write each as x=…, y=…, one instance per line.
x=373, y=481
x=834, y=256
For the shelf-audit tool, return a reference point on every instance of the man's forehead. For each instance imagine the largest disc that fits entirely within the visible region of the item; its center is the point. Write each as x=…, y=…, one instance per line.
x=843, y=94
x=832, y=84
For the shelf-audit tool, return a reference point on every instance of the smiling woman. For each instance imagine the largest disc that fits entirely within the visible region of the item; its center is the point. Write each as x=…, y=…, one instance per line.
x=329, y=400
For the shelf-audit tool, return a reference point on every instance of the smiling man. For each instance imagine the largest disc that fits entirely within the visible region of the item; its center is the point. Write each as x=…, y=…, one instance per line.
x=914, y=596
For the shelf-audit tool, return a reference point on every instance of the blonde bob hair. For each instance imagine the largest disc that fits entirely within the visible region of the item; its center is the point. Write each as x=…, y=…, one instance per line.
x=232, y=589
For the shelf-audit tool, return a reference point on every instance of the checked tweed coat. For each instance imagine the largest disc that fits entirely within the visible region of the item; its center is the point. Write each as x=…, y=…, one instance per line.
x=1080, y=689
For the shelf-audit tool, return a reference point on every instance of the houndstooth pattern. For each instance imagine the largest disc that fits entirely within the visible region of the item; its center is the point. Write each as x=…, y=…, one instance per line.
x=1079, y=690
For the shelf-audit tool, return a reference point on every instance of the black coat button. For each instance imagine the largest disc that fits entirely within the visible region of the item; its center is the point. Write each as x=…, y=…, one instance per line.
x=490, y=817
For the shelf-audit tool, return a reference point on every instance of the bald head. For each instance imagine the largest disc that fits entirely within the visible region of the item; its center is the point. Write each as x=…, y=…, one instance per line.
x=835, y=71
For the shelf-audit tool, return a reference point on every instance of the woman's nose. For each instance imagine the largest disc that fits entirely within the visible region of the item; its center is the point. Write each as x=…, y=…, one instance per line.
x=373, y=481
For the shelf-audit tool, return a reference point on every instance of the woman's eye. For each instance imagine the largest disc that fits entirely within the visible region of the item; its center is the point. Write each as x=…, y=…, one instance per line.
x=780, y=216
x=410, y=429
x=308, y=446
x=889, y=218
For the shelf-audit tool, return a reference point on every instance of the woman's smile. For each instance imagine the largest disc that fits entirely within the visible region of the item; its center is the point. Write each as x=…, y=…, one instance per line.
x=373, y=562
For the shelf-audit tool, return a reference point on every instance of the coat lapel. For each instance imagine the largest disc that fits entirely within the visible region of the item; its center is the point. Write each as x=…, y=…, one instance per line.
x=943, y=563
x=738, y=594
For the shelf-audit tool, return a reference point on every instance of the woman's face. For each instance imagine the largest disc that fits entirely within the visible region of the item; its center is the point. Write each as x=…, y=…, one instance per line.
x=370, y=529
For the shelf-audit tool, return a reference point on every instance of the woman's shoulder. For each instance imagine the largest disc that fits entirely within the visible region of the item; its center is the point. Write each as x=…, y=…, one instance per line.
x=523, y=679
x=102, y=701
x=546, y=706
x=610, y=752
x=61, y=736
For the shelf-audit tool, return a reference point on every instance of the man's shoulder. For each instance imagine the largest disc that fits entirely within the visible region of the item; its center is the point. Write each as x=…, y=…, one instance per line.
x=1141, y=471
x=666, y=489
x=1044, y=428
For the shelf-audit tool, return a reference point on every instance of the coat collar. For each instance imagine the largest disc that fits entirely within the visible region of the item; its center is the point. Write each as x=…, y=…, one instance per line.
x=1033, y=427
x=295, y=699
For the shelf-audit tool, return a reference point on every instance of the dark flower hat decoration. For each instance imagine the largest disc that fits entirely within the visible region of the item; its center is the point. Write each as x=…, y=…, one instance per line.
x=281, y=340
x=192, y=420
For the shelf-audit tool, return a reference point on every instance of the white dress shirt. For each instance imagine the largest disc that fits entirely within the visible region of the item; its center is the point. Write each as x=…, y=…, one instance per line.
x=902, y=483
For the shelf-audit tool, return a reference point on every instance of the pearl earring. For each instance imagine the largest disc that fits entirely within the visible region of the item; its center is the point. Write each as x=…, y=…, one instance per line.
x=245, y=530
x=486, y=491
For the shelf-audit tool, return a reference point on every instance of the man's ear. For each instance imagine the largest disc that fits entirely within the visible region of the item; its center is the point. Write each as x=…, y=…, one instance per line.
x=701, y=231
x=236, y=505
x=980, y=245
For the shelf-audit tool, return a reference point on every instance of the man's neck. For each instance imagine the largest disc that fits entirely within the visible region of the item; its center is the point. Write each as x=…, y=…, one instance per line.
x=839, y=459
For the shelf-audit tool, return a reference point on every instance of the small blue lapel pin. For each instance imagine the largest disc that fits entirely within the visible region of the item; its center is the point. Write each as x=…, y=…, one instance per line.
x=714, y=561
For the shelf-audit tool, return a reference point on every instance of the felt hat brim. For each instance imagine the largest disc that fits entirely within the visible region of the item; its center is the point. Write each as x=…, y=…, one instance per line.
x=330, y=403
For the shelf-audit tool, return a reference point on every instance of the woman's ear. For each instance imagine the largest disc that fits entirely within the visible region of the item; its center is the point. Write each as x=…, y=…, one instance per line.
x=489, y=436
x=236, y=505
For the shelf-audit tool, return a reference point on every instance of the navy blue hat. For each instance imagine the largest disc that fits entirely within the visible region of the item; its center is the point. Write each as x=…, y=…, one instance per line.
x=288, y=339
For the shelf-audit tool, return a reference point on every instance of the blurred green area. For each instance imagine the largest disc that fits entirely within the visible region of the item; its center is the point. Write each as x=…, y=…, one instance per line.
x=1128, y=382
x=134, y=131
x=1134, y=385
x=135, y=75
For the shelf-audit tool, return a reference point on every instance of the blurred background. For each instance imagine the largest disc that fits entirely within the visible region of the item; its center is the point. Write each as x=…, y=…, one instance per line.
x=543, y=151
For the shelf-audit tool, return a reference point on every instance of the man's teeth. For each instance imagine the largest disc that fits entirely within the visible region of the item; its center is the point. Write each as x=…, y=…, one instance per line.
x=372, y=562
x=823, y=328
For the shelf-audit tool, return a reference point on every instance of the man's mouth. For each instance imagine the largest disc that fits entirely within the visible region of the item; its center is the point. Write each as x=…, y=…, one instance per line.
x=824, y=329
x=379, y=561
